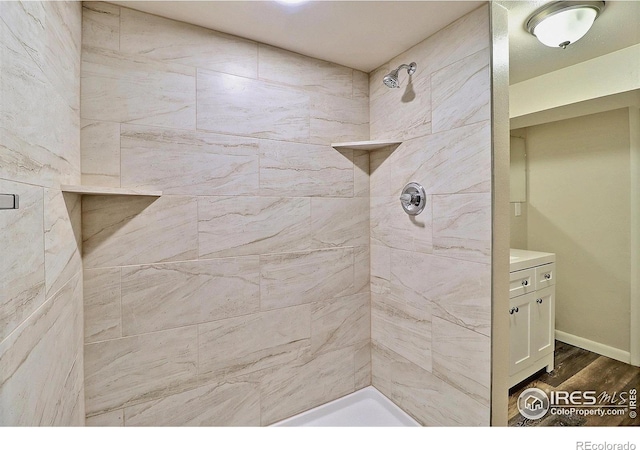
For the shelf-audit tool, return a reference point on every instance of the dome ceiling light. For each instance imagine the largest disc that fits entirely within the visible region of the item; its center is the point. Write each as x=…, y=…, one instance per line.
x=559, y=24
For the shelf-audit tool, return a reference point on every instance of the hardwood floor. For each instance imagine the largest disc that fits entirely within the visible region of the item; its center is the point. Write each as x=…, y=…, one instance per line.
x=579, y=370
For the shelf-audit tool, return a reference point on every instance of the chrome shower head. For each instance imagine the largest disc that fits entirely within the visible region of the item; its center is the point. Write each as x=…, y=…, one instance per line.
x=391, y=79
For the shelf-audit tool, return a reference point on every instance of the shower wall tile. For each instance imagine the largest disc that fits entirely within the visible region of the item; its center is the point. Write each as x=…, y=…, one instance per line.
x=418, y=390
x=188, y=162
x=44, y=350
x=339, y=222
x=403, y=113
x=235, y=403
x=177, y=42
x=230, y=104
x=29, y=154
x=306, y=383
x=246, y=344
x=294, y=69
x=380, y=269
x=462, y=226
x=462, y=92
x=296, y=278
x=458, y=291
x=462, y=358
x=340, y=322
x=132, y=370
x=380, y=172
x=62, y=238
x=304, y=170
x=233, y=226
x=22, y=276
x=362, y=364
x=100, y=142
x=361, y=174
x=110, y=419
x=338, y=119
x=101, y=25
x=403, y=328
x=456, y=161
x=117, y=87
x=360, y=84
x=361, y=269
x=392, y=227
x=102, y=304
x=163, y=296
x=126, y=230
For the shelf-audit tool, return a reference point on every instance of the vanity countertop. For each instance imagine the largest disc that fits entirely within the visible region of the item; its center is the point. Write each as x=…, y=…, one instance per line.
x=523, y=259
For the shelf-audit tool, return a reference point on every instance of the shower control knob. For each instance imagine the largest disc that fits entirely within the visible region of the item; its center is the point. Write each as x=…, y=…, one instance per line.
x=413, y=199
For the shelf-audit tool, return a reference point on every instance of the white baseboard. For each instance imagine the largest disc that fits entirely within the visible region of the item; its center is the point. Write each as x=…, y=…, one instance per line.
x=592, y=346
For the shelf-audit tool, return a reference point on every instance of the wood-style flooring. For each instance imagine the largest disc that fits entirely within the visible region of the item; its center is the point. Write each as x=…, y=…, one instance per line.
x=578, y=369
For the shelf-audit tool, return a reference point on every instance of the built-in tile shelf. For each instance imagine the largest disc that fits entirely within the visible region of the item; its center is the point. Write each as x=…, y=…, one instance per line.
x=101, y=190
x=364, y=145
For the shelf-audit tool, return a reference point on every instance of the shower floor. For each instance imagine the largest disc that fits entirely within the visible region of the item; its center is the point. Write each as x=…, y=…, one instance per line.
x=364, y=408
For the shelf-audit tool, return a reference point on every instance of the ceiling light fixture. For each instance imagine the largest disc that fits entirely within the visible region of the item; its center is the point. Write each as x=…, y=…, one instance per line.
x=559, y=24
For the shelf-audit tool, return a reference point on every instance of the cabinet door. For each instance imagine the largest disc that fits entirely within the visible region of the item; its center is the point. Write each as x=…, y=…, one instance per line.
x=543, y=322
x=520, y=332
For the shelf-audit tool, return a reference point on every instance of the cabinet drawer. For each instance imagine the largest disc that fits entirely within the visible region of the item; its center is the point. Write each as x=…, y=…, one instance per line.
x=545, y=275
x=522, y=282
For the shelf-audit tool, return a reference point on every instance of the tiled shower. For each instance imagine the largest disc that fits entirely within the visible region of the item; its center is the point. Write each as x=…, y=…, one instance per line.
x=275, y=273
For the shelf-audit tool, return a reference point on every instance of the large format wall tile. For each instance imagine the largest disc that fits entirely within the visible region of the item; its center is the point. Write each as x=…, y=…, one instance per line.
x=22, y=277
x=30, y=155
x=338, y=119
x=461, y=93
x=449, y=162
x=62, y=238
x=296, y=278
x=403, y=328
x=360, y=84
x=102, y=307
x=187, y=162
x=362, y=365
x=253, y=342
x=127, y=230
x=225, y=404
x=294, y=69
x=113, y=418
x=392, y=227
x=178, y=42
x=306, y=383
x=339, y=222
x=162, y=296
x=230, y=104
x=303, y=170
x=230, y=226
x=431, y=401
x=462, y=358
x=131, y=370
x=44, y=351
x=101, y=25
x=133, y=89
x=340, y=322
x=462, y=226
x=100, y=143
x=458, y=291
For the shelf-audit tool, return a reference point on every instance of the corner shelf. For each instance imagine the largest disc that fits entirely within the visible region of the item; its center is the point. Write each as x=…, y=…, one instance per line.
x=101, y=190
x=364, y=145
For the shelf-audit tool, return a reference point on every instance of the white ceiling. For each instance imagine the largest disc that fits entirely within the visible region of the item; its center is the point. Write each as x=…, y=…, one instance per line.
x=366, y=34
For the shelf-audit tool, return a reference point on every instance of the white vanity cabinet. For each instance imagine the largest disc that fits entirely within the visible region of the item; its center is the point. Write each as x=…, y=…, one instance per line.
x=531, y=313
